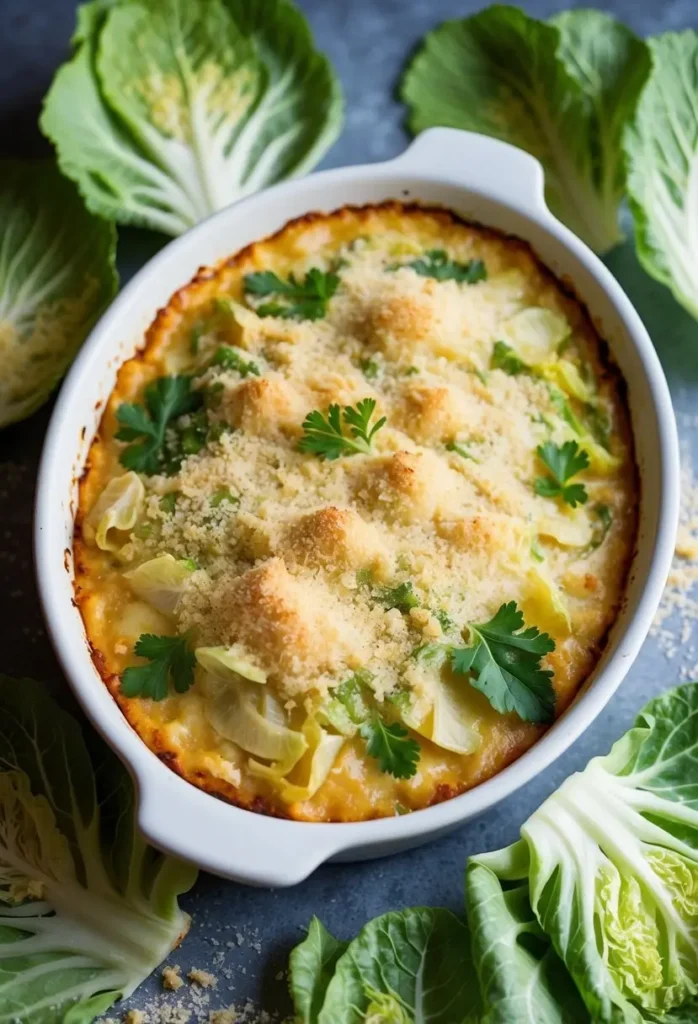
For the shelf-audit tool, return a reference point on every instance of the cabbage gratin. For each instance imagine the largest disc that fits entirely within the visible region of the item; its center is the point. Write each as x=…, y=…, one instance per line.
x=358, y=518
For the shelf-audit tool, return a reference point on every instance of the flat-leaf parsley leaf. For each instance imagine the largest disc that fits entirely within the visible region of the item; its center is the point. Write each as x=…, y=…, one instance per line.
x=401, y=597
x=229, y=359
x=564, y=462
x=352, y=705
x=171, y=660
x=604, y=521
x=459, y=449
x=397, y=754
x=505, y=358
x=323, y=436
x=293, y=299
x=503, y=662
x=166, y=399
x=436, y=263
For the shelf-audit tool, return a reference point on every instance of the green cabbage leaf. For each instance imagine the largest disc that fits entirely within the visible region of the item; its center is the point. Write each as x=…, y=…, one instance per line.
x=521, y=976
x=613, y=869
x=561, y=90
x=161, y=581
x=311, y=965
x=87, y=908
x=171, y=110
x=57, y=275
x=661, y=146
x=402, y=967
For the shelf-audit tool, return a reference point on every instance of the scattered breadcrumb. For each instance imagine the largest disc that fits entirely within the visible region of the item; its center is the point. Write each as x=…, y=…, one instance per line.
x=229, y=1016
x=173, y=1015
x=171, y=978
x=678, y=609
x=203, y=978
x=193, y=995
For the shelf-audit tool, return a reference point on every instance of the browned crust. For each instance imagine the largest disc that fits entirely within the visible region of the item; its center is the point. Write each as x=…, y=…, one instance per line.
x=183, y=299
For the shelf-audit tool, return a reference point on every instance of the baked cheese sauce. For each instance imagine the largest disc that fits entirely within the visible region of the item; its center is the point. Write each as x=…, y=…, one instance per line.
x=290, y=562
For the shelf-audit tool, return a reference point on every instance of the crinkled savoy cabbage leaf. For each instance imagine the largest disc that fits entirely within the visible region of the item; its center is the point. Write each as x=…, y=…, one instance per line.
x=87, y=908
x=661, y=146
x=57, y=275
x=562, y=91
x=171, y=110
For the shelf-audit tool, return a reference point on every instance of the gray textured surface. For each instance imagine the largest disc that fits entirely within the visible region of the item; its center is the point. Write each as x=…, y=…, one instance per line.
x=244, y=935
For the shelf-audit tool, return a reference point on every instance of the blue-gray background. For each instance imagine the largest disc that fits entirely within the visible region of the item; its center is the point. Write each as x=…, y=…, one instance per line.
x=244, y=933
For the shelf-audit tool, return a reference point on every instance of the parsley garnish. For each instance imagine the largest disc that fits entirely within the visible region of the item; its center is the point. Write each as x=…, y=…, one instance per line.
x=194, y=338
x=295, y=300
x=229, y=359
x=444, y=620
x=216, y=431
x=436, y=263
x=214, y=394
x=604, y=515
x=599, y=423
x=564, y=462
x=431, y=654
x=401, y=597
x=168, y=502
x=364, y=577
x=171, y=660
x=222, y=494
x=351, y=695
x=191, y=437
x=459, y=449
x=396, y=753
x=369, y=368
x=503, y=662
x=323, y=435
x=536, y=552
x=154, y=450
x=563, y=407
x=505, y=358
x=390, y=744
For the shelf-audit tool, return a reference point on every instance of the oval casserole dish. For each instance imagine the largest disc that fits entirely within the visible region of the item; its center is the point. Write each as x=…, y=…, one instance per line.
x=482, y=181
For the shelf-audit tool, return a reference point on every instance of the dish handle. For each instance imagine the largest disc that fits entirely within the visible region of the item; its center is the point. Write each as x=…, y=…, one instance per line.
x=241, y=845
x=497, y=169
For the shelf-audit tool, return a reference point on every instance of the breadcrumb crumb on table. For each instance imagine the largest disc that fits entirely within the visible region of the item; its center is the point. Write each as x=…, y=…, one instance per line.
x=171, y=978
x=678, y=609
x=203, y=978
x=229, y=1016
x=173, y=1015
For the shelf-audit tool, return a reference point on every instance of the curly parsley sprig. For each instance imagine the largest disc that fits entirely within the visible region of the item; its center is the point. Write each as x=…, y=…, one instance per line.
x=324, y=436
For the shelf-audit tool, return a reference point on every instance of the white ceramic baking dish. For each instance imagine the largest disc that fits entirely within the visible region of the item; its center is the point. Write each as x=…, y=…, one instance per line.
x=479, y=178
